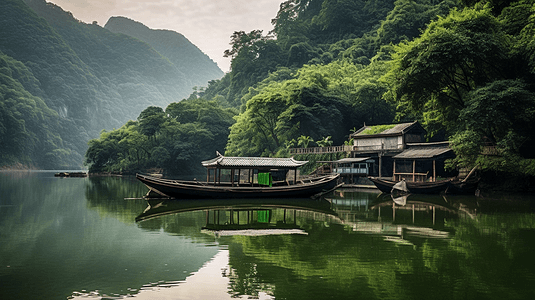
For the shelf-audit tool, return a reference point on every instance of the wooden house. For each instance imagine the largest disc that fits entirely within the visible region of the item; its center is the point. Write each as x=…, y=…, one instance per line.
x=382, y=142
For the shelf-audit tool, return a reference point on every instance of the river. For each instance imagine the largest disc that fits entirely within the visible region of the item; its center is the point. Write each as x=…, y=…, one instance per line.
x=94, y=238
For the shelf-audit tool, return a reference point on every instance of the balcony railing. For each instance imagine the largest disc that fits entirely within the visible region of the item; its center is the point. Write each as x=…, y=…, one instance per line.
x=320, y=150
x=351, y=170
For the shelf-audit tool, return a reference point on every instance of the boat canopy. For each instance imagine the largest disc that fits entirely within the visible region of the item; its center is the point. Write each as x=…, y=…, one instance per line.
x=252, y=163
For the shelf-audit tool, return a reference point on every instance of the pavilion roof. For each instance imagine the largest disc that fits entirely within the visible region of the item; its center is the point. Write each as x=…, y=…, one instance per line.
x=253, y=162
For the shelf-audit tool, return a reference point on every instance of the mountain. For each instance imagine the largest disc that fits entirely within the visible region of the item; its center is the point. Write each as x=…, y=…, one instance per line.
x=177, y=48
x=63, y=81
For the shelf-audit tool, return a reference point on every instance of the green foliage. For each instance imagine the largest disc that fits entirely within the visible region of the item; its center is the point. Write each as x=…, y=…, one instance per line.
x=314, y=158
x=175, y=140
x=467, y=146
x=467, y=74
x=325, y=142
x=500, y=109
x=378, y=129
x=85, y=77
x=455, y=55
x=28, y=128
x=303, y=141
x=316, y=101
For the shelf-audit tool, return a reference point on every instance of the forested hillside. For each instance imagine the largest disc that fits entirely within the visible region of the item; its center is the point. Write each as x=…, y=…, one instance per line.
x=185, y=56
x=464, y=69
x=63, y=81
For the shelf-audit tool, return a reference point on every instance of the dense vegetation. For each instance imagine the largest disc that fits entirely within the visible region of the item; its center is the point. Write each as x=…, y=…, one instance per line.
x=63, y=81
x=464, y=69
x=190, y=130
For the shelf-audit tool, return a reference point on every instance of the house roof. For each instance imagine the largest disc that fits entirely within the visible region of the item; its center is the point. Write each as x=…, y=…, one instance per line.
x=351, y=160
x=382, y=130
x=424, y=150
x=253, y=162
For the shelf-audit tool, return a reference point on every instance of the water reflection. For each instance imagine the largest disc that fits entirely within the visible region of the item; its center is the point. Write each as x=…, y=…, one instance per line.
x=359, y=244
x=251, y=217
x=79, y=238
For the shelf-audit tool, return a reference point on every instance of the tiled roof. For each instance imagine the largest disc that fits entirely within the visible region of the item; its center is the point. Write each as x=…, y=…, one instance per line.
x=424, y=150
x=253, y=162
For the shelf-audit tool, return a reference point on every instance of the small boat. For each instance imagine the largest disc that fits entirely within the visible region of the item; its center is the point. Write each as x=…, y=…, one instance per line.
x=468, y=185
x=71, y=174
x=386, y=186
x=250, y=177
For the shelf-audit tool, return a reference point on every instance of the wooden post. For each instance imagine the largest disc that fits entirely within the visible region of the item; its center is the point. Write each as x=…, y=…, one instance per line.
x=393, y=171
x=414, y=170
x=379, y=217
x=295, y=176
x=393, y=211
x=381, y=165
x=239, y=176
x=434, y=171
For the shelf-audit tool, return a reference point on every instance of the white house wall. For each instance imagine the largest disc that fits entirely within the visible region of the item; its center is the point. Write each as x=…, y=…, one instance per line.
x=379, y=143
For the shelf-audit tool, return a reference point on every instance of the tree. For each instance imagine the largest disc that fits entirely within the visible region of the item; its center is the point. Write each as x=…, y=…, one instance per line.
x=455, y=55
x=242, y=41
x=503, y=111
x=151, y=120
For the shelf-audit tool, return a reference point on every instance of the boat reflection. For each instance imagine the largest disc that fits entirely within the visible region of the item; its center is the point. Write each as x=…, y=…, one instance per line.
x=252, y=217
x=393, y=218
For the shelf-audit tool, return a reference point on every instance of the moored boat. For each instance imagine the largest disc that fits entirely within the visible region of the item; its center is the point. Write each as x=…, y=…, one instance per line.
x=71, y=174
x=195, y=189
x=435, y=187
x=261, y=178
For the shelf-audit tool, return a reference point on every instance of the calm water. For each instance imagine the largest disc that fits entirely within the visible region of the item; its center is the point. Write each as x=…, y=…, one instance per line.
x=86, y=238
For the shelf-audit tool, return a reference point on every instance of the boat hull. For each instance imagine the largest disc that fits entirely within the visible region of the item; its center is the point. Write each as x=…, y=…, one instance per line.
x=192, y=189
x=437, y=187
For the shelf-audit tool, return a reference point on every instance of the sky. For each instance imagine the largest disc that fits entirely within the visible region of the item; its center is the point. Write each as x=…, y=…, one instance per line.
x=206, y=23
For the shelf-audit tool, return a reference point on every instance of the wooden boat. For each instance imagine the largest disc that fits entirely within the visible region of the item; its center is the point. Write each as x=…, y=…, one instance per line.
x=468, y=185
x=195, y=189
x=250, y=177
x=436, y=187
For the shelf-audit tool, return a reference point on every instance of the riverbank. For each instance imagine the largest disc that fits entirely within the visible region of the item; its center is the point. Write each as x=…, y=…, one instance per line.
x=17, y=167
x=506, y=182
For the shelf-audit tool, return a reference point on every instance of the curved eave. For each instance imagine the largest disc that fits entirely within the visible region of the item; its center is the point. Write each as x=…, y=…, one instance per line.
x=253, y=163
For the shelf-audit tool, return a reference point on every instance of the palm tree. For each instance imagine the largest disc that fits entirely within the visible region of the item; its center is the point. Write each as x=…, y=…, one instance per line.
x=303, y=141
x=325, y=142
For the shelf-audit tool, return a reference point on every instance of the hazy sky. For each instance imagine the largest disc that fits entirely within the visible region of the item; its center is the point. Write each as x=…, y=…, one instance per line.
x=206, y=23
